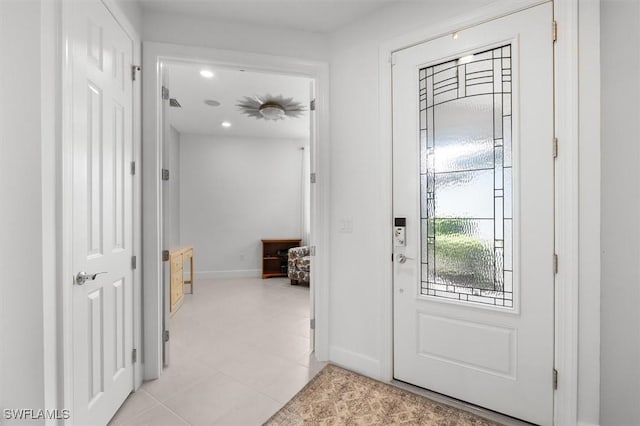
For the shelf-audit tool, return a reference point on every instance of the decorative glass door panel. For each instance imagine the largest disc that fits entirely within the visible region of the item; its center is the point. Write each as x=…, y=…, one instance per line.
x=465, y=178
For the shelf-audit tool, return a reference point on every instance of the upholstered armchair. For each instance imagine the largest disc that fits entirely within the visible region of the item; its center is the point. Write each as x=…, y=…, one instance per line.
x=299, y=265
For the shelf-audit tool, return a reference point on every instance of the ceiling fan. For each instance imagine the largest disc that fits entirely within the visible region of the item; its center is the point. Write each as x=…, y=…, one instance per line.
x=270, y=107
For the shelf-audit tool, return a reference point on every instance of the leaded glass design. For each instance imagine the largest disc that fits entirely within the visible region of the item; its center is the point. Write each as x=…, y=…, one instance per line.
x=466, y=178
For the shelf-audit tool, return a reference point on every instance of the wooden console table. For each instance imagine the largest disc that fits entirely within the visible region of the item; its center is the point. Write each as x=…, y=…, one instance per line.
x=177, y=258
x=272, y=264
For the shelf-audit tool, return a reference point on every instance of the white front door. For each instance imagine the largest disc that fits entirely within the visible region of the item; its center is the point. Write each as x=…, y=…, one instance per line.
x=101, y=58
x=474, y=183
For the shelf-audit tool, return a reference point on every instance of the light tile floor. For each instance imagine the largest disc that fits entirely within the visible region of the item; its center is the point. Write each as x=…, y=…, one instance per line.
x=239, y=352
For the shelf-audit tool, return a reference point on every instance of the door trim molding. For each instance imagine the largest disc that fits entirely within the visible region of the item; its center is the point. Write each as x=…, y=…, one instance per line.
x=64, y=329
x=567, y=212
x=153, y=54
x=66, y=189
x=566, y=70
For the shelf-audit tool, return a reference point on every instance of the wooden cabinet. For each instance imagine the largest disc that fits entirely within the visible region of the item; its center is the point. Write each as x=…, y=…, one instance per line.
x=274, y=256
x=177, y=259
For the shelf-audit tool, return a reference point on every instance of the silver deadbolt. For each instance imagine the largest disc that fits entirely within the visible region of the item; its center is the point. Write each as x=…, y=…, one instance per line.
x=83, y=277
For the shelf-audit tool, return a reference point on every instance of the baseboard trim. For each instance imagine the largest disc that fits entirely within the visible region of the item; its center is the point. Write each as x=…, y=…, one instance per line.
x=354, y=361
x=242, y=273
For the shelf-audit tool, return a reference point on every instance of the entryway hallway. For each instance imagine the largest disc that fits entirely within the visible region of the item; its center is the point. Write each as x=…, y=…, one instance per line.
x=239, y=352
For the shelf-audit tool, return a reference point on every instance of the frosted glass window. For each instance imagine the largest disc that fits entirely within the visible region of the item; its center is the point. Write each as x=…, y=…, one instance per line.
x=465, y=178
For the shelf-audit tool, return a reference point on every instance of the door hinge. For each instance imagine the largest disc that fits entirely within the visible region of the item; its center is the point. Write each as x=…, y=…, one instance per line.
x=165, y=255
x=134, y=70
x=555, y=147
x=554, y=31
x=312, y=323
x=165, y=335
x=312, y=105
x=165, y=174
x=134, y=355
x=555, y=379
x=165, y=93
x=312, y=251
x=133, y=167
x=313, y=178
x=134, y=262
x=555, y=263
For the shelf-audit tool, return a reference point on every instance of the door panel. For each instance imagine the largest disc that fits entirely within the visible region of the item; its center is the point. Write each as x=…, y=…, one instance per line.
x=473, y=176
x=102, y=311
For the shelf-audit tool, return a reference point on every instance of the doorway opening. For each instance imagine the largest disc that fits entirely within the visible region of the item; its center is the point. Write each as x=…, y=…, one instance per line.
x=155, y=55
x=236, y=195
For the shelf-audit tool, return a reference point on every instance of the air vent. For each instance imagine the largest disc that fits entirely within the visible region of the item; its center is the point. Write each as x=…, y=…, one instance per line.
x=174, y=103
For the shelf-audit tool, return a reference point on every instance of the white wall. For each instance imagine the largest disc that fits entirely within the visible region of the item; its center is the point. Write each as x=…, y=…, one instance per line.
x=193, y=31
x=235, y=192
x=589, y=196
x=132, y=11
x=620, y=296
x=306, y=194
x=27, y=153
x=358, y=161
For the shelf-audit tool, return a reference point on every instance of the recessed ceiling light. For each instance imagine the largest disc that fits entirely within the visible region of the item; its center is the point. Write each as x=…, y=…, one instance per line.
x=206, y=73
x=212, y=102
x=225, y=124
x=465, y=59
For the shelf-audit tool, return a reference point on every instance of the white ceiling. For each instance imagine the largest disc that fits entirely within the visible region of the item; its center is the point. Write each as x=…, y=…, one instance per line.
x=308, y=15
x=228, y=86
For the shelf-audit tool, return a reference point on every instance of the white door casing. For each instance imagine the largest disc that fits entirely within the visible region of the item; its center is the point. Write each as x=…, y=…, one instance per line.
x=153, y=55
x=498, y=357
x=102, y=209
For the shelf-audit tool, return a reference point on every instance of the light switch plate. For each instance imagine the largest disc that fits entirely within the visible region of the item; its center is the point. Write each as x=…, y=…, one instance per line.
x=346, y=225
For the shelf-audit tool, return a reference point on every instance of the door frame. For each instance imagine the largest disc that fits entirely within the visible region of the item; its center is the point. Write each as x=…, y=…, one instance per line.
x=566, y=187
x=154, y=54
x=65, y=225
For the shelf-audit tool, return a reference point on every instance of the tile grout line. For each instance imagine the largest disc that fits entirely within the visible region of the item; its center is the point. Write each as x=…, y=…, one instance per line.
x=163, y=405
x=197, y=382
x=127, y=421
x=247, y=385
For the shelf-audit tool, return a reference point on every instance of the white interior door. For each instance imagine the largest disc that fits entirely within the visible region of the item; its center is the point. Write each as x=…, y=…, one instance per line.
x=101, y=55
x=473, y=178
x=310, y=214
x=165, y=216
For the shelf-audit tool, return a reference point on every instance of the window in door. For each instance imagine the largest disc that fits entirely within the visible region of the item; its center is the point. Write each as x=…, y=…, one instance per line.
x=466, y=178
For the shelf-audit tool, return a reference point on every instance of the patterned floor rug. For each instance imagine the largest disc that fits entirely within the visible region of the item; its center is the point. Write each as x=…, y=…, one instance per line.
x=340, y=397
